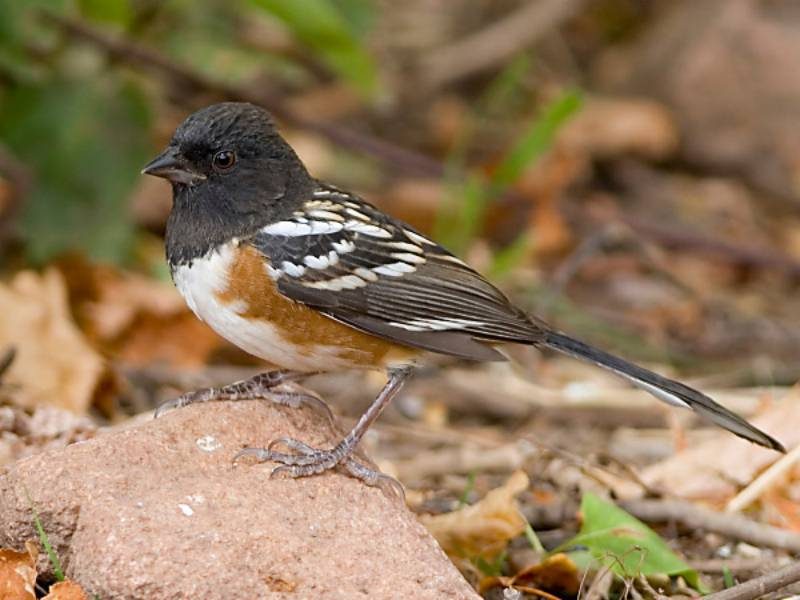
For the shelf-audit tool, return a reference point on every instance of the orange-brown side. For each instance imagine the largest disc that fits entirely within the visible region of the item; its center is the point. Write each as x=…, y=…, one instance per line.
x=257, y=298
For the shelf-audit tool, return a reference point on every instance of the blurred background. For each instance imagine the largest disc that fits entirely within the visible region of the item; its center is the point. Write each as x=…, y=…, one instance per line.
x=627, y=169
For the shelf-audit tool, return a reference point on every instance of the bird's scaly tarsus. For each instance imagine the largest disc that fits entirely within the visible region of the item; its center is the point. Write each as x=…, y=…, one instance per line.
x=305, y=460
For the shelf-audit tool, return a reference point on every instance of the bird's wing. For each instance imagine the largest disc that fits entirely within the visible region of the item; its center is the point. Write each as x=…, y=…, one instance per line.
x=343, y=257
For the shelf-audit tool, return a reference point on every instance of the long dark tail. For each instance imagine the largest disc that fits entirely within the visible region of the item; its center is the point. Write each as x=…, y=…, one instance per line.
x=664, y=389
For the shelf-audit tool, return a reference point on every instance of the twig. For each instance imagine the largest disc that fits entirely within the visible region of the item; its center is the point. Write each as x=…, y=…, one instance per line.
x=498, y=42
x=6, y=360
x=763, y=482
x=757, y=588
x=735, y=565
x=733, y=526
x=731, y=253
x=465, y=460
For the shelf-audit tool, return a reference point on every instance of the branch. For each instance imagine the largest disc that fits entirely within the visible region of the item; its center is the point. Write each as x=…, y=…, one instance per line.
x=758, y=587
x=498, y=42
x=732, y=526
x=731, y=253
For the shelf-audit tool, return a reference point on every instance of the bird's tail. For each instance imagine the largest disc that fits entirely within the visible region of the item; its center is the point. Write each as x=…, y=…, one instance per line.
x=666, y=390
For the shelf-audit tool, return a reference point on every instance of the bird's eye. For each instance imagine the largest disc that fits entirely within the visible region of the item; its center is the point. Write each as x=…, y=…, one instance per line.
x=224, y=160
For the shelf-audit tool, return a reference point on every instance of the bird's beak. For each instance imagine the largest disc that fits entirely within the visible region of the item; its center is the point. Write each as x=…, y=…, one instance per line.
x=174, y=167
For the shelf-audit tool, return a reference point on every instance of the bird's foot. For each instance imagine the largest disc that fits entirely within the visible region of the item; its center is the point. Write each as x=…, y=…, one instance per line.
x=304, y=460
x=265, y=386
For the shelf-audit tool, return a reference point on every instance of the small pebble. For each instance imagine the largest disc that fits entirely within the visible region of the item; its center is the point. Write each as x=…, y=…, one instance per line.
x=208, y=443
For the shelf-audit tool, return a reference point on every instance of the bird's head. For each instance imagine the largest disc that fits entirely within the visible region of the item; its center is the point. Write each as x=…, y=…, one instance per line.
x=233, y=151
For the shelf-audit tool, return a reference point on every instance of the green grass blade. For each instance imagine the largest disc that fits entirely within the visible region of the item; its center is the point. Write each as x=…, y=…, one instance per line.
x=51, y=554
x=535, y=141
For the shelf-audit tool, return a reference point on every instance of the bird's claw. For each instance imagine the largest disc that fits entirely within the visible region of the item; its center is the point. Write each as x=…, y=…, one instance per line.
x=306, y=460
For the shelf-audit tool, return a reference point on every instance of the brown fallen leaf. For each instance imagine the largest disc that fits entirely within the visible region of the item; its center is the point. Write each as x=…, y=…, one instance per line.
x=483, y=529
x=556, y=574
x=136, y=319
x=693, y=476
x=66, y=590
x=18, y=573
x=611, y=127
x=54, y=363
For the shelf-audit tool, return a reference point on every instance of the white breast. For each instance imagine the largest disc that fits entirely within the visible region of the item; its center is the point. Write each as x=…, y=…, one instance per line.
x=205, y=278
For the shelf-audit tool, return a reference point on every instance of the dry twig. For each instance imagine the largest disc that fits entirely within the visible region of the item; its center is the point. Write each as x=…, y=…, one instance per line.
x=763, y=482
x=757, y=588
x=733, y=526
x=496, y=44
x=466, y=459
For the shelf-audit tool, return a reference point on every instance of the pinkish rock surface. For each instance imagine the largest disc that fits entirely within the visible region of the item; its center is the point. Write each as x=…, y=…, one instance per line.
x=159, y=511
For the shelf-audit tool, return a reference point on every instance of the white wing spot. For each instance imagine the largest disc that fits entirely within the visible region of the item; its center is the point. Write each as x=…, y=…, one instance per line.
x=419, y=239
x=436, y=324
x=414, y=259
x=326, y=215
x=297, y=229
x=452, y=259
x=367, y=274
x=405, y=246
x=344, y=246
x=316, y=262
x=323, y=227
x=406, y=326
x=367, y=229
x=397, y=269
x=273, y=272
x=288, y=228
x=345, y=282
x=358, y=215
x=292, y=270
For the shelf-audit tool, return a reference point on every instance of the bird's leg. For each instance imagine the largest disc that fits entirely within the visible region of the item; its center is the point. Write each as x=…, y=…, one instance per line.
x=305, y=460
x=262, y=386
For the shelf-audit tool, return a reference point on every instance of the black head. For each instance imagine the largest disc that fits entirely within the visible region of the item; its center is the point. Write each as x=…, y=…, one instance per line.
x=231, y=173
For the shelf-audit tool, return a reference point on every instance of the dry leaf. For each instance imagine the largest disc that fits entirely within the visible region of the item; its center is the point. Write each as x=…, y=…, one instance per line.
x=54, y=364
x=694, y=476
x=66, y=590
x=123, y=296
x=18, y=573
x=556, y=574
x=136, y=319
x=610, y=127
x=484, y=528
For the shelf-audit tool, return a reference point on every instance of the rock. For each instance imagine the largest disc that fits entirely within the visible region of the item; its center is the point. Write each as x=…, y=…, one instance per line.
x=158, y=510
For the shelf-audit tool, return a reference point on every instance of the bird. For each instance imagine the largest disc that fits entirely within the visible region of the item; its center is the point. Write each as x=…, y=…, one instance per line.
x=312, y=279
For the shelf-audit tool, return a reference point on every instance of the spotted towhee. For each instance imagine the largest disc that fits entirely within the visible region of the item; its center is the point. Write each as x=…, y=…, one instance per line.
x=312, y=278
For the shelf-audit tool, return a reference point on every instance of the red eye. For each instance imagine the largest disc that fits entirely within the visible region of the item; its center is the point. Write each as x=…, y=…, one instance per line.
x=224, y=160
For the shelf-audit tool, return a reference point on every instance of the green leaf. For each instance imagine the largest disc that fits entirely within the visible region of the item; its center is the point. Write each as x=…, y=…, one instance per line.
x=626, y=545
x=85, y=145
x=321, y=26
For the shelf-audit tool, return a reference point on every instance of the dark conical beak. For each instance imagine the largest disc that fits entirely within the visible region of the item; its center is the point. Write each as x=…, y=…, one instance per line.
x=172, y=166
